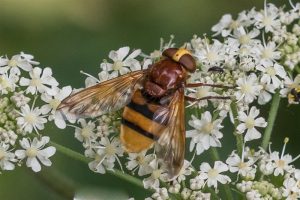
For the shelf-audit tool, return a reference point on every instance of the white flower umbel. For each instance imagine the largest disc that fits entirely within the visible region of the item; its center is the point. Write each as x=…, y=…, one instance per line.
x=122, y=62
x=41, y=81
x=205, y=133
x=249, y=122
x=213, y=175
x=35, y=152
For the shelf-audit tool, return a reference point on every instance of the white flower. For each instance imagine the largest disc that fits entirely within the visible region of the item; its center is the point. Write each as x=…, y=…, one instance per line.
x=41, y=81
x=22, y=60
x=211, y=55
x=160, y=194
x=282, y=163
x=140, y=161
x=99, y=164
x=237, y=164
x=213, y=175
x=7, y=158
x=199, y=93
x=248, y=88
x=8, y=83
x=35, y=152
x=268, y=18
x=205, y=134
x=249, y=122
x=19, y=99
x=53, y=103
x=244, y=38
x=271, y=74
x=31, y=119
x=157, y=174
x=267, y=54
x=291, y=189
x=253, y=195
x=122, y=62
x=86, y=134
x=105, y=153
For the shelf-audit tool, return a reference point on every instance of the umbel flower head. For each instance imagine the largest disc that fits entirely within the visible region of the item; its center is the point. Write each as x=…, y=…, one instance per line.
x=25, y=90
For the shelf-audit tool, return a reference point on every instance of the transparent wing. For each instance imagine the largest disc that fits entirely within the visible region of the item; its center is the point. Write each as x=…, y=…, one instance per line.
x=104, y=97
x=171, y=144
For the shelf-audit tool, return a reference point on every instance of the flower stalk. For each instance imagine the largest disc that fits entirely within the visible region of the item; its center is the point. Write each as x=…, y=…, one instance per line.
x=238, y=137
x=271, y=119
x=77, y=156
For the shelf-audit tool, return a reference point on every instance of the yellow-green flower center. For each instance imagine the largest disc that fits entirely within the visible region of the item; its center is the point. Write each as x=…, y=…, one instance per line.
x=117, y=65
x=12, y=63
x=31, y=152
x=271, y=71
x=249, y=123
x=110, y=150
x=54, y=103
x=212, y=173
x=208, y=127
x=30, y=118
x=244, y=39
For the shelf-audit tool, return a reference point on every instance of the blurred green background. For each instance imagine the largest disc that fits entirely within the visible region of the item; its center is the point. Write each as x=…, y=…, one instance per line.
x=74, y=35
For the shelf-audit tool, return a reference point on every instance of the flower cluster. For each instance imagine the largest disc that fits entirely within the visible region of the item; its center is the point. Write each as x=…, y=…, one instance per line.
x=29, y=97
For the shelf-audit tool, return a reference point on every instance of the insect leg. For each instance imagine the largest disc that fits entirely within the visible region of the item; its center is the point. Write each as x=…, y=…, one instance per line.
x=192, y=99
x=211, y=85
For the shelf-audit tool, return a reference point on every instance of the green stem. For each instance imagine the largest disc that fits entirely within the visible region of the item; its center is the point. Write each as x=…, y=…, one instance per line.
x=271, y=120
x=215, y=156
x=57, y=182
x=77, y=156
x=238, y=137
x=297, y=69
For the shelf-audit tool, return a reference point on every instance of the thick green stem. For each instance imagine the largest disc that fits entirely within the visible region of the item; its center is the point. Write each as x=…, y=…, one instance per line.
x=77, y=156
x=57, y=182
x=271, y=120
x=215, y=156
x=239, y=137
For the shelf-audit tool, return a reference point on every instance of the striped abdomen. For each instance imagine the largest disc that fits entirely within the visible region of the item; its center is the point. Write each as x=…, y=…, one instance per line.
x=138, y=129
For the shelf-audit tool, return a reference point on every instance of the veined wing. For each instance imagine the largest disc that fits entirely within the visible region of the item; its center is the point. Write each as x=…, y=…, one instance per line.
x=103, y=97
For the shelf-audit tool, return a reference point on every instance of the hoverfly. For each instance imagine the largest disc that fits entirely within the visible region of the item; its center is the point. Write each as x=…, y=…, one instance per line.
x=154, y=105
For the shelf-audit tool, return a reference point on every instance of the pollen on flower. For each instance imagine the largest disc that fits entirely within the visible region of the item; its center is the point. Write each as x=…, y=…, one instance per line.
x=271, y=71
x=30, y=118
x=212, y=173
x=249, y=122
x=12, y=63
x=208, y=127
x=32, y=152
x=117, y=65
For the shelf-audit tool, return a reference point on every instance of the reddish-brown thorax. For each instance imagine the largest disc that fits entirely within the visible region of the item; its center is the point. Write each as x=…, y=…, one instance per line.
x=164, y=77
